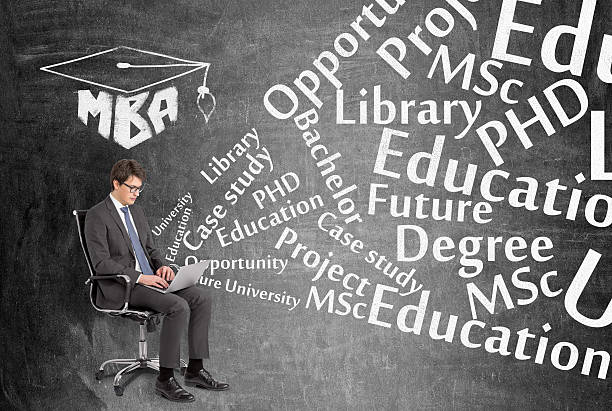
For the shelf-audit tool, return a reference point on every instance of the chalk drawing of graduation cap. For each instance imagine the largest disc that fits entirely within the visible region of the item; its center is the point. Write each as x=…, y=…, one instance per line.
x=136, y=91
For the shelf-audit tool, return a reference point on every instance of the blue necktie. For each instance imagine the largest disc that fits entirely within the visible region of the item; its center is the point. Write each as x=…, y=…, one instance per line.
x=140, y=254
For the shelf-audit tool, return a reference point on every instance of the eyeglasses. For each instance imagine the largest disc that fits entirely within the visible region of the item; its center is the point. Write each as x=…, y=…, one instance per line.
x=134, y=189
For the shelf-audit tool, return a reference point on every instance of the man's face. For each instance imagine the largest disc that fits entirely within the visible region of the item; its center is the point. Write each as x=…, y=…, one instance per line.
x=122, y=191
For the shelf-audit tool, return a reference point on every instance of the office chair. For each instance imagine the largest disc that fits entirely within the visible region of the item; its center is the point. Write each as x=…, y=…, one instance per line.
x=147, y=319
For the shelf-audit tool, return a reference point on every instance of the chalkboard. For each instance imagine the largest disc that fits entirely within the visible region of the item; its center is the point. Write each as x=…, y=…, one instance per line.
x=406, y=204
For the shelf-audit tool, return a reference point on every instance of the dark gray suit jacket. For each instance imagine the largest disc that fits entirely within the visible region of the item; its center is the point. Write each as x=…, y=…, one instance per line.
x=111, y=252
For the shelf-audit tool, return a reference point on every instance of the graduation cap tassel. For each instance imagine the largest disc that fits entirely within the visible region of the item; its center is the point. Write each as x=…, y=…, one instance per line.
x=203, y=91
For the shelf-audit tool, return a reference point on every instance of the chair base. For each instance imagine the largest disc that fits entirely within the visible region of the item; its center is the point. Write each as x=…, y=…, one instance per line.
x=131, y=365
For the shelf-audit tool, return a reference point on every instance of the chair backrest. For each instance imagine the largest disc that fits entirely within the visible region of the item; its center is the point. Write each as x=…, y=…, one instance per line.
x=80, y=221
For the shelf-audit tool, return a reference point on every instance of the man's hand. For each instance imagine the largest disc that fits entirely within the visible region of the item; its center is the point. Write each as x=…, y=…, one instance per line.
x=153, y=280
x=165, y=272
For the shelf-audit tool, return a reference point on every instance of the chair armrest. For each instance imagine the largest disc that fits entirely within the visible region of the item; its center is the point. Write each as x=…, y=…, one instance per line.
x=124, y=277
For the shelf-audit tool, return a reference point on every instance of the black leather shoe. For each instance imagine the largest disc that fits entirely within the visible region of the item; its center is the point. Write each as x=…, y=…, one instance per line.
x=173, y=391
x=203, y=379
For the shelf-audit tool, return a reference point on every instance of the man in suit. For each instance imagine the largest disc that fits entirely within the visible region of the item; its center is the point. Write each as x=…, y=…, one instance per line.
x=120, y=242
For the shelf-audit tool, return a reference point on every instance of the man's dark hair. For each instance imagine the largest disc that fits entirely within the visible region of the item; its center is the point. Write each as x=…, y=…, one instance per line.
x=123, y=169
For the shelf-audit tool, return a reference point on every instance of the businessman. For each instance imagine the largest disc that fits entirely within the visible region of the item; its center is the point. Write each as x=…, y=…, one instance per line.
x=120, y=242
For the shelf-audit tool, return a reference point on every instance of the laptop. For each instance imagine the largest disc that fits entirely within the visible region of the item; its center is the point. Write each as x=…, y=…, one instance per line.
x=187, y=276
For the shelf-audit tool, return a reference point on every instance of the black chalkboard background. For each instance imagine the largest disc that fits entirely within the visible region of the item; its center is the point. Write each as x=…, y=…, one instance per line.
x=52, y=340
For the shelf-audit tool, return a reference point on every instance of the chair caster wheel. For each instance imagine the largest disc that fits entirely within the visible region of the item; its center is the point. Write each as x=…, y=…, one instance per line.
x=99, y=374
x=118, y=390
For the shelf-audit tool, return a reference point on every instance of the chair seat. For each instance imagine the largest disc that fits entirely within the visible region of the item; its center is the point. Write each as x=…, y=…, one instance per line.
x=138, y=314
